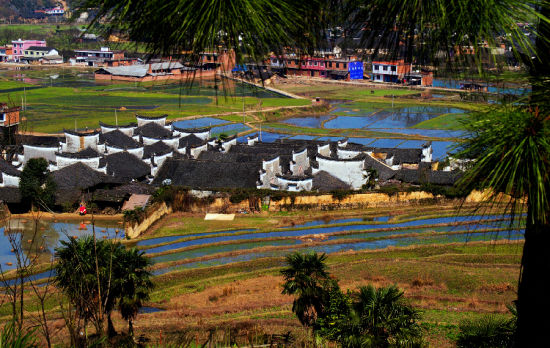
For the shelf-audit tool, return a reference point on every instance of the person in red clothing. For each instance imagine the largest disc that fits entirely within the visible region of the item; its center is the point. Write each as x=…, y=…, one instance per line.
x=82, y=209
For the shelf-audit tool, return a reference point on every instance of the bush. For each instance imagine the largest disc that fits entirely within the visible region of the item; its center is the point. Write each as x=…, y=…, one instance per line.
x=10, y=336
x=487, y=332
x=340, y=194
x=239, y=196
x=446, y=191
x=134, y=216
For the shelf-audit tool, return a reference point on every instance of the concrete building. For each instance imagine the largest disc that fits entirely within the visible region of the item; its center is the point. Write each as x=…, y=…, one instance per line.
x=390, y=71
x=97, y=57
x=20, y=46
x=145, y=72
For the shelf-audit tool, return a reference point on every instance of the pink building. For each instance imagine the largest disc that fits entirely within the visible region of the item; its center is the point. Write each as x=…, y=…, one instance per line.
x=19, y=47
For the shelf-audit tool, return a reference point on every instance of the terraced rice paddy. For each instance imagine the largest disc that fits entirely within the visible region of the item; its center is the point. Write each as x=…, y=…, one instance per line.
x=209, y=248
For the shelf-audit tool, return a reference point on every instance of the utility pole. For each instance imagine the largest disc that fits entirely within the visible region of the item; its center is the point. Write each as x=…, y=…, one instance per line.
x=244, y=117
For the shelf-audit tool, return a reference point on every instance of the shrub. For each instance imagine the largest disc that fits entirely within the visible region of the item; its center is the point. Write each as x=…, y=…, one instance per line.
x=487, y=332
x=10, y=336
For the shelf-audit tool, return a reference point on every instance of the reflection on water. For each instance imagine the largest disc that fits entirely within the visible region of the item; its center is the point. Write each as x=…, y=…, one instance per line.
x=43, y=236
x=74, y=78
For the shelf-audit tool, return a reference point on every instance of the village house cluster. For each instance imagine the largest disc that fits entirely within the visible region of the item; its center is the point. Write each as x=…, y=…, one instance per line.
x=117, y=160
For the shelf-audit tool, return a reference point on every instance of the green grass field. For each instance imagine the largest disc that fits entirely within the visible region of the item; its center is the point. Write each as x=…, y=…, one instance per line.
x=50, y=109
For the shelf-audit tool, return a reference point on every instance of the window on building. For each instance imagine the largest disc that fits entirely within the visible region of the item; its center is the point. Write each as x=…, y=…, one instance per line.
x=376, y=67
x=315, y=63
x=330, y=64
x=394, y=68
x=345, y=65
x=337, y=65
x=385, y=68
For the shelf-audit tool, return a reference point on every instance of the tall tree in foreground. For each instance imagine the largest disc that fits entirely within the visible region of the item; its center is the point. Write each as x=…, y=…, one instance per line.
x=135, y=285
x=305, y=277
x=124, y=282
x=511, y=148
x=508, y=146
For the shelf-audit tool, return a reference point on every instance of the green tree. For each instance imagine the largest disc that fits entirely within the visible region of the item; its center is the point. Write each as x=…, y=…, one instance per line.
x=36, y=185
x=135, y=285
x=369, y=318
x=98, y=279
x=385, y=318
x=305, y=277
x=511, y=148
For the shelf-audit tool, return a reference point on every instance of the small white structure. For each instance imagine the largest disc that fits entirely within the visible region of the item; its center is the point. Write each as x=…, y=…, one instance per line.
x=78, y=141
x=351, y=171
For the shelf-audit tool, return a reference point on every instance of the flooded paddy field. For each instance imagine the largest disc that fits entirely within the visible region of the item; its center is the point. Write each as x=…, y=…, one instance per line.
x=57, y=98
x=45, y=235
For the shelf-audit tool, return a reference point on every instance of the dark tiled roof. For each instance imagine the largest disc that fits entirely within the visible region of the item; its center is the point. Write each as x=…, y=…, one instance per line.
x=74, y=179
x=10, y=195
x=437, y=177
x=129, y=125
x=77, y=176
x=192, y=130
x=384, y=172
x=86, y=153
x=39, y=140
x=400, y=155
x=325, y=182
x=126, y=167
x=8, y=168
x=40, y=48
x=207, y=174
x=159, y=148
x=81, y=134
x=153, y=130
x=118, y=139
x=143, y=117
x=191, y=140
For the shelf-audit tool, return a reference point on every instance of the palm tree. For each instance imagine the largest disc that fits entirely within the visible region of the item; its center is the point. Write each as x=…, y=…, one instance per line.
x=136, y=285
x=305, y=277
x=123, y=280
x=509, y=147
x=383, y=318
x=512, y=152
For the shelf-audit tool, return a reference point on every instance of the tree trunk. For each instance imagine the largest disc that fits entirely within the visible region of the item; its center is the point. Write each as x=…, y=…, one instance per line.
x=111, y=332
x=130, y=328
x=533, y=300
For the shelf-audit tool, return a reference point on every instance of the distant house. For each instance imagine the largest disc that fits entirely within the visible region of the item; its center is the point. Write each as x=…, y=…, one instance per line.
x=49, y=60
x=324, y=67
x=6, y=53
x=421, y=78
x=20, y=46
x=390, y=71
x=39, y=51
x=41, y=55
x=145, y=72
x=97, y=57
x=211, y=63
x=9, y=121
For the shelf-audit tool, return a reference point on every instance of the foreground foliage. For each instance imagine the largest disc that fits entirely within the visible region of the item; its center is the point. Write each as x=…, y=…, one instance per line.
x=98, y=277
x=370, y=317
